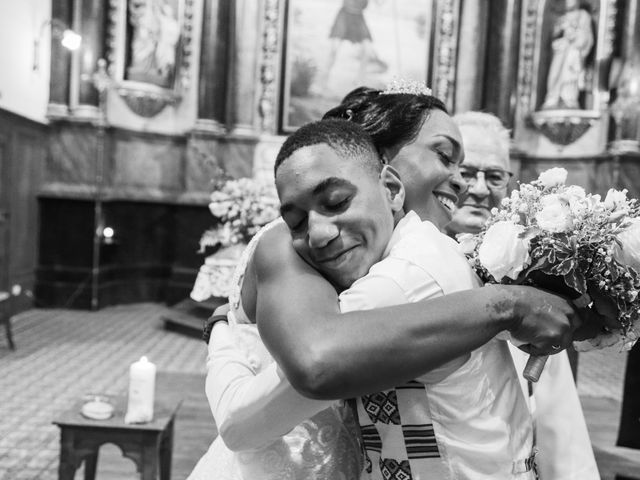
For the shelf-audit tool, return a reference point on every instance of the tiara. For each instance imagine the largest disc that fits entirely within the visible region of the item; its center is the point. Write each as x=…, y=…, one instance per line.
x=412, y=87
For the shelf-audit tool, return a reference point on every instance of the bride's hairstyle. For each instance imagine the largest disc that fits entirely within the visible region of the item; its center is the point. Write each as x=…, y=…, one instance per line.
x=391, y=118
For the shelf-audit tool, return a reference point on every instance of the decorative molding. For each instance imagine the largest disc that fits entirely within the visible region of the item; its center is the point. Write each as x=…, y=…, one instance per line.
x=527, y=53
x=209, y=125
x=563, y=127
x=186, y=44
x=113, y=13
x=146, y=102
x=619, y=147
x=446, y=48
x=269, y=66
x=609, y=24
x=57, y=111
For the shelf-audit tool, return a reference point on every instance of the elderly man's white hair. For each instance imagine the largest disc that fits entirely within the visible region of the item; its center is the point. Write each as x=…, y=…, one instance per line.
x=489, y=125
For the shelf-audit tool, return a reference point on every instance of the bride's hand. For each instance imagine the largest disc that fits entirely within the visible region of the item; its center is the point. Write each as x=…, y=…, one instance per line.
x=222, y=309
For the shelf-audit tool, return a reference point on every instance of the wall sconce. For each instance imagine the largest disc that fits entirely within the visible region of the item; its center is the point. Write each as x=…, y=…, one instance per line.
x=68, y=38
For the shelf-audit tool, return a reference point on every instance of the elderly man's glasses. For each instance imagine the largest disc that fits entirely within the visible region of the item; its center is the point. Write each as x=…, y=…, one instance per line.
x=493, y=177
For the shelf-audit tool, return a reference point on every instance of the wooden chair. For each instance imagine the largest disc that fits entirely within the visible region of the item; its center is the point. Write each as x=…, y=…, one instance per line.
x=6, y=311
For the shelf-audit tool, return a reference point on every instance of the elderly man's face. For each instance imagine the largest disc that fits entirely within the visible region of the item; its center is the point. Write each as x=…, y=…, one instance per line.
x=485, y=189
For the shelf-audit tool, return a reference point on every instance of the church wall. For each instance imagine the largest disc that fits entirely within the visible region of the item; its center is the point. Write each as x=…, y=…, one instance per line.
x=138, y=151
x=23, y=89
x=23, y=150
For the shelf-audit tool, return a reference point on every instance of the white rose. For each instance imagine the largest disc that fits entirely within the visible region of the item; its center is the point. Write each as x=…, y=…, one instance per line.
x=468, y=243
x=575, y=197
x=225, y=235
x=220, y=208
x=628, y=251
x=555, y=215
x=553, y=177
x=504, y=251
x=616, y=199
x=574, y=193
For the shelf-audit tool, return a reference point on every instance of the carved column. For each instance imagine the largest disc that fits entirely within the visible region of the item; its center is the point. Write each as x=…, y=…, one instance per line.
x=502, y=60
x=244, y=61
x=631, y=55
x=474, y=18
x=447, y=13
x=91, y=26
x=214, y=66
x=631, y=36
x=60, y=64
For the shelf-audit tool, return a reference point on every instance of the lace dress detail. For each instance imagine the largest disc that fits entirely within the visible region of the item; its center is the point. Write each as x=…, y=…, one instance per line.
x=324, y=447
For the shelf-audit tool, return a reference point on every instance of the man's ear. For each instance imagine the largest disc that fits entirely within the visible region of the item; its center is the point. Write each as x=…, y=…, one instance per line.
x=395, y=189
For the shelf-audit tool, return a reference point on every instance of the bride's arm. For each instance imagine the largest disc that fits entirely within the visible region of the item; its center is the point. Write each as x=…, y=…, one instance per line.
x=326, y=354
x=250, y=410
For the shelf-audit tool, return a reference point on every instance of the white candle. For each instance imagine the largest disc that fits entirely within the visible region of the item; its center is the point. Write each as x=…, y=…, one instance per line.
x=142, y=384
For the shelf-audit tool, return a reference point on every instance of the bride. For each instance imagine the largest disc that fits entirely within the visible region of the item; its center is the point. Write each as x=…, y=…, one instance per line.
x=329, y=355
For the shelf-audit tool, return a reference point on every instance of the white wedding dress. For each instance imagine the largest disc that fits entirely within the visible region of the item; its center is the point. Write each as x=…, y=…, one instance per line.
x=324, y=447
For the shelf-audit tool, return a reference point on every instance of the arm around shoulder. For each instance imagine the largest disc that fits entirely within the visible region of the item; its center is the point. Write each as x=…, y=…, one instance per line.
x=329, y=355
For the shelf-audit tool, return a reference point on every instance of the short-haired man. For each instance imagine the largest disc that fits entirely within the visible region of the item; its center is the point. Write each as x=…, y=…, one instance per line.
x=332, y=185
x=562, y=439
x=467, y=419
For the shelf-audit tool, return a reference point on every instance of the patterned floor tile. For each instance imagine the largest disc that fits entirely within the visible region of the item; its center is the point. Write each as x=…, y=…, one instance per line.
x=63, y=355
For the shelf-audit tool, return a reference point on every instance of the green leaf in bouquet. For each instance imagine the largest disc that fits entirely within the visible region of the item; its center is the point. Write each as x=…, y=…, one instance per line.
x=554, y=283
x=576, y=280
x=566, y=266
x=551, y=257
x=540, y=263
x=614, y=273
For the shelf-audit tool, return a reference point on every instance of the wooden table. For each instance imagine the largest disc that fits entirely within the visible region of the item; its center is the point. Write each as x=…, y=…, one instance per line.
x=149, y=445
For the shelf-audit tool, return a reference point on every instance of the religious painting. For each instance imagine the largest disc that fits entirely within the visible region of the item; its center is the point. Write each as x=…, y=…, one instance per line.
x=564, y=62
x=333, y=46
x=148, y=52
x=153, y=34
x=567, y=55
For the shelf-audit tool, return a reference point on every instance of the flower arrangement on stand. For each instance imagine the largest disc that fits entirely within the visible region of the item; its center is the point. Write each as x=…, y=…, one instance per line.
x=559, y=237
x=241, y=207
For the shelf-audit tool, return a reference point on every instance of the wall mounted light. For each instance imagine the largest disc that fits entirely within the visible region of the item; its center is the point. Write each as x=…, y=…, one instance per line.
x=68, y=38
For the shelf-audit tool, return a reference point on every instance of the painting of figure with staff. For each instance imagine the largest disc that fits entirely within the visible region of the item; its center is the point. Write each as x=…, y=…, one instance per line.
x=335, y=45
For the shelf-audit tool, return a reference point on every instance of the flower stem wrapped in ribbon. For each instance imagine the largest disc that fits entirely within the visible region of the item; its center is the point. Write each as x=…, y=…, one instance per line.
x=559, y=237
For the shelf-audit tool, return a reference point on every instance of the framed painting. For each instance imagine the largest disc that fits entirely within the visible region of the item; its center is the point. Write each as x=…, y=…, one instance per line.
x=334, y=46
x=567, y=54
x=147, y=51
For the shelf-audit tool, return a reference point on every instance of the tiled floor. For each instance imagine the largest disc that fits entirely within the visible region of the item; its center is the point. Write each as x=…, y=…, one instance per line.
x=64, y=354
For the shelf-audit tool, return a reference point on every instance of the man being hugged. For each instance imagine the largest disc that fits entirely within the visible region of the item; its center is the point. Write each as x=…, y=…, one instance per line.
x=464, y=420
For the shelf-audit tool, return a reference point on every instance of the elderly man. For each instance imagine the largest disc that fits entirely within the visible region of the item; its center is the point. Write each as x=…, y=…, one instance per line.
x=562, y=439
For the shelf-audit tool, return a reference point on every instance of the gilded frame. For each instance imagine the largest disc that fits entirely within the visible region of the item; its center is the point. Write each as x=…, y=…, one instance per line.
x=313, y=32
x=149, y=52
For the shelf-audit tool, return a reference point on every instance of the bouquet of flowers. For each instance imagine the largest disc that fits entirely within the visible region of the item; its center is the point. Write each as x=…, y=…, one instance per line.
x=559, y=237
x=241, y=207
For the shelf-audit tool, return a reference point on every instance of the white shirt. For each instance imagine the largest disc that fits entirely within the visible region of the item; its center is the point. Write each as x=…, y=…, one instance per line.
x=253, y=410
x=474, y=407
x=562, y=438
